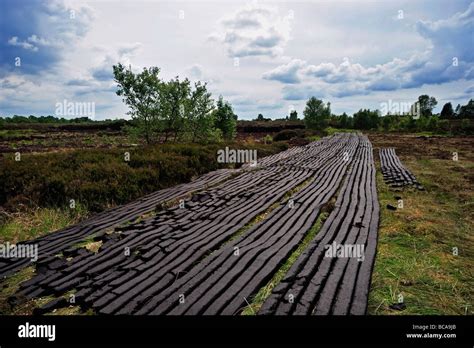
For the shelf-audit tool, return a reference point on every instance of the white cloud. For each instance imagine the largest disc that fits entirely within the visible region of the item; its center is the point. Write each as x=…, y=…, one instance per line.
x=254, y=30
x=451, y=41
x=287, y=73
x=196, y=72
x=13, y=41
x=124, y=54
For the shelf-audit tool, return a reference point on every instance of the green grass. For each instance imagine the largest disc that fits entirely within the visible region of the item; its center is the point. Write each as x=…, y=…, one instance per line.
x=6, y=134
x=313, y=137
x=415, y=248
x=331, y=131
x=38, y=222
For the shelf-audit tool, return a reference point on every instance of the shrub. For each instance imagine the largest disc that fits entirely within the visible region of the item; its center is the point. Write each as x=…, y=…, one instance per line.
x=280, y=145
x=97, y=179
x=268, y=139
x=299, y=141
x=285, y=135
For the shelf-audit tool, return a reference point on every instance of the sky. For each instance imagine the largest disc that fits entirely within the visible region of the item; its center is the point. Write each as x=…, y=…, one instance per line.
x=263, y=57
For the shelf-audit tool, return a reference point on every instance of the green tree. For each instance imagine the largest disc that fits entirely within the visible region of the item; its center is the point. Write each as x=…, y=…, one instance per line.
x=467, y=111
x=366, y=119
x=458, y=107
x=316, y=113
x=447, y=112
x=199, y=116
x=225, y=119
x=293, y=116
x=345, y=121
x=427, y=104
x=386, y=122
x=174, y=106
x=141, y=93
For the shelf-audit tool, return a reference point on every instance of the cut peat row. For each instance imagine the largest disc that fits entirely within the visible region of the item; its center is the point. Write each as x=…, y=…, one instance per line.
x=223, y=283
x=333, y=275
x=394, y=172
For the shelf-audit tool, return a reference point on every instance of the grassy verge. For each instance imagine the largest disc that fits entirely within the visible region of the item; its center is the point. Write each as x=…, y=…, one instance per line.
x=34, y=223
x=7, y=134
x=416, y=254
x=313, y=137
x=331, y=131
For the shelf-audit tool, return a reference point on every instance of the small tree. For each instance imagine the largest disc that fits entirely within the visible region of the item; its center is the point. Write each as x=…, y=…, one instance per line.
x=345, y=121
x=427, y=104
x=200, y=119
x=174, y=106
x=467, y=111
x=458, y=107
x=366, y=119
x=225, y=119
x=316, y=113
x=293, y=116
x=141, y=93
x=447, y=112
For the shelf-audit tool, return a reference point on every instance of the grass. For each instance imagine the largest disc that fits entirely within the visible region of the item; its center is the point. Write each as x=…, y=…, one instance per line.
x=37, y=222
x=313, y=137
x=331, y=130
x=7, y=134
x=415, y=249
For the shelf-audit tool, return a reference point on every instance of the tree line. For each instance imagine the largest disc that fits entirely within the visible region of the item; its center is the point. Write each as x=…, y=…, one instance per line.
x=420, y=117
x=45, y=119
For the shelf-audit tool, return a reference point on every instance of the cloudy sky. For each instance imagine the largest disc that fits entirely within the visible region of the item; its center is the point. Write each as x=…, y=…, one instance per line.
x=264, y=57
